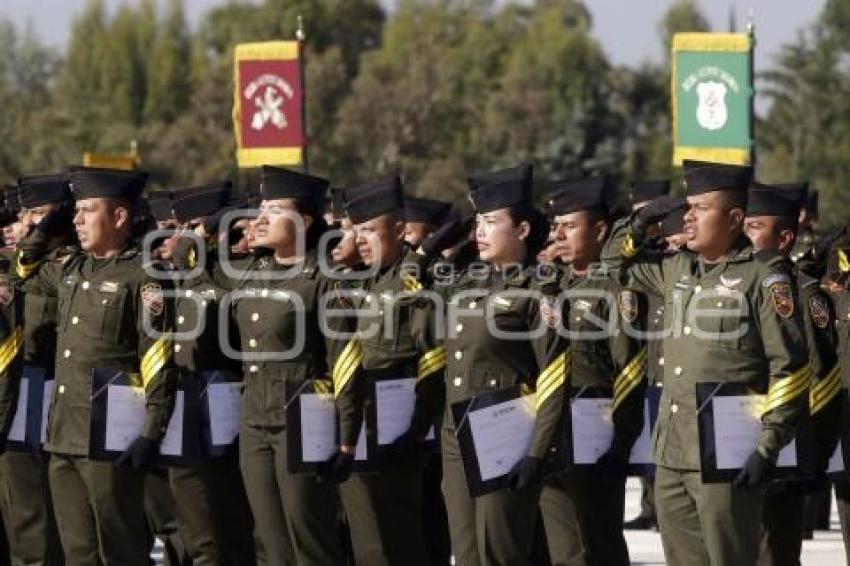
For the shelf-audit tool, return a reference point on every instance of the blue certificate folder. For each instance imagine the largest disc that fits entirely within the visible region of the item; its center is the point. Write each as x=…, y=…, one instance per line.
x=34, y=394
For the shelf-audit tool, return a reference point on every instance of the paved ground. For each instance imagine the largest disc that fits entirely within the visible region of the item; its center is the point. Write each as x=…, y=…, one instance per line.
x=827, y=549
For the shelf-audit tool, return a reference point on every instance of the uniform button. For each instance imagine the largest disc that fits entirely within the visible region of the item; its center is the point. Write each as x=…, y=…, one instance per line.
x=252, y=342
x=492, y=383
x=654, y=321
x=458, y=381
x=67, y=353
x=75, y=320
x=659, y=311
x=61, y=389
x=678, y=370
x=697, y=289
x=104, y=302
x=674, y=408
x=189, y=293
x=178, y=347
x=203, y=303
x=255, y=317
x=253, y=369
x=661, y=361
x=578, y=319
x=459, y=328
x=458, y=355
x=687, y=330
x=264, y=293
x=368, y=298
x=473, y=304
x=86, y=284
x=181, y=319
x=719, y=304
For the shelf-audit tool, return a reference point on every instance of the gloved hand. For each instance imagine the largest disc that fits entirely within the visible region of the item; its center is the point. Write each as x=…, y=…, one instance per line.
x=403, y=448
x=139, y=454
x=657, y=209
x=454, y=231
x=57, y=222
x=527, y=472
x=755, y=473
x=337, y=468
x=614, y=462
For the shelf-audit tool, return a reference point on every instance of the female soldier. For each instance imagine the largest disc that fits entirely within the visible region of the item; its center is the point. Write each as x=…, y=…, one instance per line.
x=498, y=528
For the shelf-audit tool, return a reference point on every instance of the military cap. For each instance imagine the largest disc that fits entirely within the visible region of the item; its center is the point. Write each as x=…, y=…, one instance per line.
x=591, y=193
x=161, y=205
x=277, y=182
x=373, y=199
x=37, y=190
x=674, y=222
x=337, y=202
x=93, y=182
x=642, y=191
x=501, y=189
x=431, y=211
x=705, y=177
x=201, y=201
x=776, y=200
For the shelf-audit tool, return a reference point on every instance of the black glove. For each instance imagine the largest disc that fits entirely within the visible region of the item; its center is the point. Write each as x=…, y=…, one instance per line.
x=756, y=472
x=614, y=462
x=658, y=209
x=57, y=222
x=527, y=472
x=337, y=468
x=454, y=231
x=402, y=449
x=139, y=454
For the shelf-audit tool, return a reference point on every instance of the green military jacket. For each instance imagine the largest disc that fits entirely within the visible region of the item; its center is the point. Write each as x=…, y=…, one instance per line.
x=604, y=323
x=283, y=348
x=521, y=345
x=395, y=327
x=11, y=341
x=737, y=321
x=112, y=313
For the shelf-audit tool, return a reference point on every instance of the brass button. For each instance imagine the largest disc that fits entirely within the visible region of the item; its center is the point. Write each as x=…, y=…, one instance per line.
x=458, y=381
x=473, y=304
x=67, y=353
x=687, y=330
x=181, y=319
x=661, y=361
x=189, y=293
x=252, y=342
x=458, y=355
x=255, y=317
x=264, y=293
x=253, y=369
x=697, y=289
x=75, y=320
x=678, y=370
x=492, y=383
x=459, y=327
x=86, y=285
x=674, y=408
x=178, y=347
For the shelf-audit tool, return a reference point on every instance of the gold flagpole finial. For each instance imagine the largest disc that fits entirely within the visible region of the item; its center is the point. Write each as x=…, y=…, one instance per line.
x=299, y=33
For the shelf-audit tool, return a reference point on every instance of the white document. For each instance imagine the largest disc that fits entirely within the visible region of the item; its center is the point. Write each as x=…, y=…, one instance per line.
x=394, y=401
x=593, y=431
x=125, y=416
x=836, y=461
x=172, y=441
x=737, y=429
x=501, y=435
x=318, y=429
x=49, y=387
x=18, y=430
x=224, y=402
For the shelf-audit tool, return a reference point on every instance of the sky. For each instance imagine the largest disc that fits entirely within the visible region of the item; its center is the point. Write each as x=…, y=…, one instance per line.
x=627, y=29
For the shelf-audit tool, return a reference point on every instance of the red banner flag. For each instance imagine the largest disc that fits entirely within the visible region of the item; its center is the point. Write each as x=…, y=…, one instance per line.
x=268, y=115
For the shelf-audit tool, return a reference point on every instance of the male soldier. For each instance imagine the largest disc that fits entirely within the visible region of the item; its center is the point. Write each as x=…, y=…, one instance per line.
x=642, y=193
x=212, y=509
x=756, y=340
x=772, y=213
x=32, y=527
x=385, y=509
x=111, y=314
x=806, y=234
x=606, y=356
x=344, y=254
x=421, y=217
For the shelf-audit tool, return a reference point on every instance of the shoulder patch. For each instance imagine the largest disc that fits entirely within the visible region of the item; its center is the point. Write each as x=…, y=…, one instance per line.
x=783, y=302
x=153, y=299
x=774, y=278
x=819, y=309
x=7, y=291
x=628, y=303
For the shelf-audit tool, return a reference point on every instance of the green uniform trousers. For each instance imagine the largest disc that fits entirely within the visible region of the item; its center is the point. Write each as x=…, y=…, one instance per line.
x=162, y=518
x=706, y=524
x=559, y=511
x=99, y=512
x=782, y=534
x=493, y=529
x=28, y=511
x=213, y=513
x=384, y=512
x=296, y=516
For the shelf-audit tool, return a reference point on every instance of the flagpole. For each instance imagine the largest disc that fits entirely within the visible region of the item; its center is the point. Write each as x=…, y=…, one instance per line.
x=301, y=37
x=751, y=31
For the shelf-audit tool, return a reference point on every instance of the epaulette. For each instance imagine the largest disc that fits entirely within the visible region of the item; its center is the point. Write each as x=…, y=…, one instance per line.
x=769, y=257
x=130, y=253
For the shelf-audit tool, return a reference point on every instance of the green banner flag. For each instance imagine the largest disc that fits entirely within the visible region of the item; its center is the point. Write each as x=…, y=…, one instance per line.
x=712, y=93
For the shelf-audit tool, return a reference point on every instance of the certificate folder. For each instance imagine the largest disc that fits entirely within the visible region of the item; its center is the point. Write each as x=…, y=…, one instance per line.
x=219, y=405
x=589, y=430
x=28, y=431
x=118, y=417
x=312, y=432
x=729, y=421
x=494, y=431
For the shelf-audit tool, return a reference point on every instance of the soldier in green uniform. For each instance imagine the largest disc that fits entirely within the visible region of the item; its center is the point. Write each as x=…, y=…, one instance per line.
x=211, y=506
x=421, y=217
x=806, y=234
x=111, y=314
x=32, y=527
x=772, y=213
x=275, y=305
x=384, y=508
x=757, y=339
x=604, y=322
x=506, y=290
